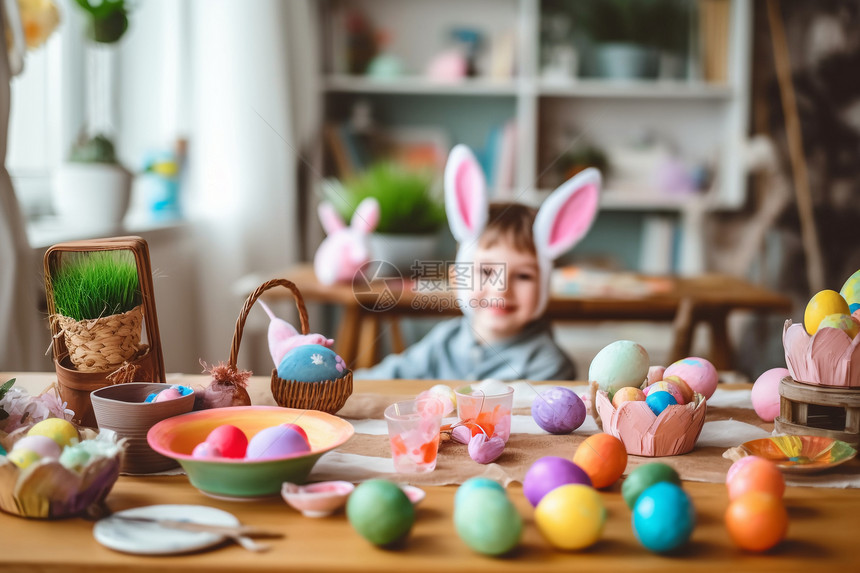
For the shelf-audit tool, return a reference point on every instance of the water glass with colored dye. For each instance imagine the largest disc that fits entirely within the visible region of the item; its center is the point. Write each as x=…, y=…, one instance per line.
x=413, y=431
x=485, y=413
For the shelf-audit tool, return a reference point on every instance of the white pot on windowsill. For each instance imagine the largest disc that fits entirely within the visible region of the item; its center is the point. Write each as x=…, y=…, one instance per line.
x=92, y=196
x=404, y=250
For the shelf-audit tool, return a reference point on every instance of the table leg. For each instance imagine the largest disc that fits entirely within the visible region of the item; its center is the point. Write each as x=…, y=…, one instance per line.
x=683, y=326
x=348, y=333
x=397, y=344
x=721, y=348
x=366, y=350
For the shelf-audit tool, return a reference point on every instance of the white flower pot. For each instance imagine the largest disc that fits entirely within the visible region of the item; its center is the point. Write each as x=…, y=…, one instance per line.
x=92, y=196
x=404, y=251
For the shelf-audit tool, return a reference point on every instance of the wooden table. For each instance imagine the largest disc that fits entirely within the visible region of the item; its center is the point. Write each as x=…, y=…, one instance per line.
x=821, y=535
x=686, y=302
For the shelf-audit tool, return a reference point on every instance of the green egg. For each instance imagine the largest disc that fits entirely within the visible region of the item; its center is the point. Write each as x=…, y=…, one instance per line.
x=380, y=512
x=487, y=521
x=644, y=477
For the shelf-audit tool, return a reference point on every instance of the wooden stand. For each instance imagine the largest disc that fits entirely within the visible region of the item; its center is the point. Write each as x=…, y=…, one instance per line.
x=148, y=366
x=807, y=409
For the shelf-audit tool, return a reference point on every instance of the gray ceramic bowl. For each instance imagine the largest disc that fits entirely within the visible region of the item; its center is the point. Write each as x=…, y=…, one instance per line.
x=121, y=408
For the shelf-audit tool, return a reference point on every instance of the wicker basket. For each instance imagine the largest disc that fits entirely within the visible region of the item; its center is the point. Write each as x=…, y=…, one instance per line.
x=327, y=396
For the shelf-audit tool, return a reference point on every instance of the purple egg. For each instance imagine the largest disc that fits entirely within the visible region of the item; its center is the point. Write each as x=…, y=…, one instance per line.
x=276, y=442
x=550, y=472
x=558, y=410
x=205, y=450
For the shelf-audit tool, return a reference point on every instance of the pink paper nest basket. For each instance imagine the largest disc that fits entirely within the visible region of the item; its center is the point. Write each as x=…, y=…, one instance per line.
x=672, y=433
x=824, y=359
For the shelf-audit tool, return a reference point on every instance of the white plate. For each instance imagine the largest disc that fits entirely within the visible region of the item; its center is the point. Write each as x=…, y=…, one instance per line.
x=143, y=538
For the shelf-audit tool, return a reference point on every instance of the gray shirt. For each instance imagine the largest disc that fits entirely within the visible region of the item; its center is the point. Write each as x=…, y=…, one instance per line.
x=450, y=351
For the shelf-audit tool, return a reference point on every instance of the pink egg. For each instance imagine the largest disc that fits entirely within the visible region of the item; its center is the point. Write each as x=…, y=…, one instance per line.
x=735, y=467
x=765, y=393
x=276, y=442
x=42, y=445
x=627, y=394
x=666, y=386
x=698, y=373
x=230, y=440
x=168, y=394
x=205, y=450
x=655, y=373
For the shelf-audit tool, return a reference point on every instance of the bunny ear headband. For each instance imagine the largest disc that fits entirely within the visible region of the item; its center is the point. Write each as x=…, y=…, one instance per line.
x=562, y=220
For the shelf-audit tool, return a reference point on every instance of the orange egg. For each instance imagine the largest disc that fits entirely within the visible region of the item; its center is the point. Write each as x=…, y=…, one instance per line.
x=756, y=521
x=603, y=458
x=757, y=475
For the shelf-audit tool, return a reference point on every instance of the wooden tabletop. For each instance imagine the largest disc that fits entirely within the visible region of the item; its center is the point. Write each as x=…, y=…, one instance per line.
x=821, y=534
x=683, y=301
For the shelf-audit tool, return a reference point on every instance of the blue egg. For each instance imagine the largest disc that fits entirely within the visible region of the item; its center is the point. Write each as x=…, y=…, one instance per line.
x=474, y=483
x=663, y=517
x=658, y=401
x=311, y=363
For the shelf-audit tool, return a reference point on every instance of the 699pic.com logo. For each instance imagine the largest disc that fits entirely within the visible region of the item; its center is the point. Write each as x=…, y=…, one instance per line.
x=377, y=286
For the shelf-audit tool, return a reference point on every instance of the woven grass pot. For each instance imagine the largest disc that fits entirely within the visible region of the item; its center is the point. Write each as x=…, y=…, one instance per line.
x=102, y=344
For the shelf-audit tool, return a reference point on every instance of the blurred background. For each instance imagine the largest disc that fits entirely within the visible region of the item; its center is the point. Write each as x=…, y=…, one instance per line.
x=228, y=121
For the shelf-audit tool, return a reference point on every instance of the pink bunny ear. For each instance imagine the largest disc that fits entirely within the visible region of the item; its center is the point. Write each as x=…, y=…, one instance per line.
x=331, y=221
x=465, y=194
x=567, y=214
x=366, y=216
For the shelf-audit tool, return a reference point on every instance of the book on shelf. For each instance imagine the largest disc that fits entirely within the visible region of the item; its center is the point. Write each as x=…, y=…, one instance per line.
x=714, y=24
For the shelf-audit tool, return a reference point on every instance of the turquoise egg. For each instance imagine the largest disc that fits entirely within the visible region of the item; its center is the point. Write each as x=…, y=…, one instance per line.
x=851, y=291
x=474, y=483
x=659, y=401
x=663, y=517
x=311, y=363
x=487, y=521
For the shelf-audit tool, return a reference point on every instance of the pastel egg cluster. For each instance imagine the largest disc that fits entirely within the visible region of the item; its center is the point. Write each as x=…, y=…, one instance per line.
x=46, y=440
x=228, y=441
x=756, y=518
x=172, y=393
x=831, y=309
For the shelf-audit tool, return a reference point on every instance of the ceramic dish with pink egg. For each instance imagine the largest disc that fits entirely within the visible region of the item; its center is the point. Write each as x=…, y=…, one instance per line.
x=239, y=478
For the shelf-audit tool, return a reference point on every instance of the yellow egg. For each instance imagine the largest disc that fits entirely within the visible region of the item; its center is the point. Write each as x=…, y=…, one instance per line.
x=61, y=431
x=843, y=322
x=571, y=516
x=822, y=304
x=23, y=458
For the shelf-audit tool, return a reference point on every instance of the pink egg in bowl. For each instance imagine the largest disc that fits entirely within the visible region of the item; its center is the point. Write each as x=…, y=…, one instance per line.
x=243, y=478
x=317, y=499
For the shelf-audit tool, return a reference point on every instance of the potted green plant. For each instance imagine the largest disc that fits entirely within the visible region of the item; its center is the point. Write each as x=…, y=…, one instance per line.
x=629, y=37
x=96, y=312
x=411, y=211
x=92, y=189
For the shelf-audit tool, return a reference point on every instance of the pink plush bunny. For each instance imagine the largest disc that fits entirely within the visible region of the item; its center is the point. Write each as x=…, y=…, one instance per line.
x=345, y=249
x=562, y=220
x=283, y=336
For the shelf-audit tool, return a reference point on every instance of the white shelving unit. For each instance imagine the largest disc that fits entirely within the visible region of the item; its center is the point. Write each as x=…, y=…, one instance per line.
x=705, y=121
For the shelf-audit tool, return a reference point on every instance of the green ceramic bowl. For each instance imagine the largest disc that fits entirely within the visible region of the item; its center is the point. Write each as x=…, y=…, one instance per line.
x=236, y=478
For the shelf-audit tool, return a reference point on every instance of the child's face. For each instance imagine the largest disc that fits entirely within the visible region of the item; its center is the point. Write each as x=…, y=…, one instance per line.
x=506, y=290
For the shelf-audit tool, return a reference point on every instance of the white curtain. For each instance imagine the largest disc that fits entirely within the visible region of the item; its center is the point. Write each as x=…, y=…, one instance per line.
x=247, y=88
x=19, y=320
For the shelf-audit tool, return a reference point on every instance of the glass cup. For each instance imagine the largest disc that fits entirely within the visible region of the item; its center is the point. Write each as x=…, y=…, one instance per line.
x=413, y=431
x=485, y=413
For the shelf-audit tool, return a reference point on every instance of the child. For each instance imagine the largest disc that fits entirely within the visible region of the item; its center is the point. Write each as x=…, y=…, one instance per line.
x=502, y=281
